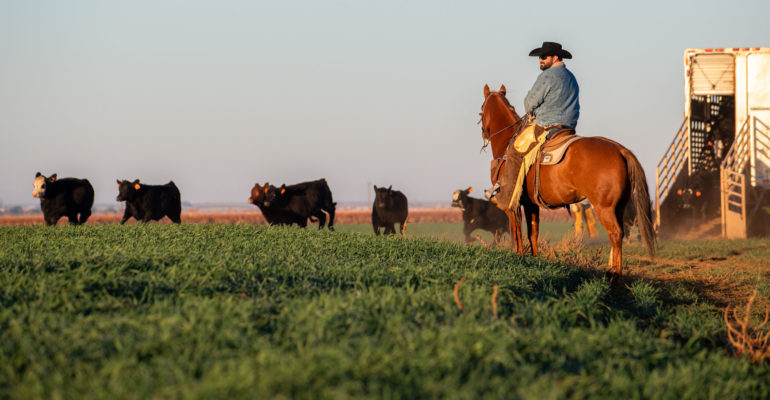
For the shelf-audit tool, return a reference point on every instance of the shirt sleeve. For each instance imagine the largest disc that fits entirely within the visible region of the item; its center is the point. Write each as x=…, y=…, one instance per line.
x=536, y=95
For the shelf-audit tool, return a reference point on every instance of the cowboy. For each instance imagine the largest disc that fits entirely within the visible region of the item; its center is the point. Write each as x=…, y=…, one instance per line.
x=553, y=100
x=552, y=106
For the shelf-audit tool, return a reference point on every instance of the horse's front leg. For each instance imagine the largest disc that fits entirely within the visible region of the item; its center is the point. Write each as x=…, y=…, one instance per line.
x=532, y=214
x=514, y=220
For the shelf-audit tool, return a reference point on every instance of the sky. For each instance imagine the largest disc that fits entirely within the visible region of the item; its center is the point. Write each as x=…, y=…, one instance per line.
x=220, y=95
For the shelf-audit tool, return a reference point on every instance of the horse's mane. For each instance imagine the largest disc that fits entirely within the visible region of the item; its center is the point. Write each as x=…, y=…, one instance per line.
x=507, y=104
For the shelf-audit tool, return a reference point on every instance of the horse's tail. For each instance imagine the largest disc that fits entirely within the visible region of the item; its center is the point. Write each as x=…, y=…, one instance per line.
x=641, y=198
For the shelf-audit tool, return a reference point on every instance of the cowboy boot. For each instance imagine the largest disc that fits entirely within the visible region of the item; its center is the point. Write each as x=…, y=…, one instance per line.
x=508, y=180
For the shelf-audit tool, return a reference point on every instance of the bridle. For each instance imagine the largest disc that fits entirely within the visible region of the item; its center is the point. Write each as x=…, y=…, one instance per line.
x=488, y=138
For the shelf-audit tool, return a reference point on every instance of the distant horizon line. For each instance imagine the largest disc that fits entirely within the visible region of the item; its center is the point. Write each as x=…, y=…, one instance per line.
x=215, y=204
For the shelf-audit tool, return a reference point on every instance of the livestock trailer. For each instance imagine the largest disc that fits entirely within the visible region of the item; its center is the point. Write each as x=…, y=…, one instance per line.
x=714, y=178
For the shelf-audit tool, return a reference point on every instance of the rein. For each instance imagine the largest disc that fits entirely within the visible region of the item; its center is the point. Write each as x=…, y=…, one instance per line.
x=488, y=138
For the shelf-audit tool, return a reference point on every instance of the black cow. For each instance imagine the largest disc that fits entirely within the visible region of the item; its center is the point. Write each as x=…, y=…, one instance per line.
x=150, y=202
x=303, y=200
x=390, y=207
x=273, y=215
x=699, y=197
x=480, y=214
x=64, y=197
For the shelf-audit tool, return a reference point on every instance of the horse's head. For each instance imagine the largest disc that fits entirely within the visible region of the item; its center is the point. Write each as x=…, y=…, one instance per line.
x=497, y=114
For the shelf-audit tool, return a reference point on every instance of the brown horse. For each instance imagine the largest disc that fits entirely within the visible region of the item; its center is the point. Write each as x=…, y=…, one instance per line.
x=599, y=169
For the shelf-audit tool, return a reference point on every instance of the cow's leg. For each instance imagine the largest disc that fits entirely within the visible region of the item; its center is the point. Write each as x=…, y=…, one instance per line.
x=577, y=211
x=467, y=230
x=532, y=214
x=126, y=216
x=176, y=217
x=375, y=224
x=390, y=228
x=321, y=219
x=51, y=220
x=591, y=222
x=403, y=226
x=331, y=210
x=73, y=218
x=84, y=216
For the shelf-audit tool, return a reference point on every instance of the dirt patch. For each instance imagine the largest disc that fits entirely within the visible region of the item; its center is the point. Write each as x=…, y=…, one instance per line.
x=720, y=280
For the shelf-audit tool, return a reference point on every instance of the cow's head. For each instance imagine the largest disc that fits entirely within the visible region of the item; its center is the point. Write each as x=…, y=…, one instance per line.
x=688, y=196
x=259, y=194
x=40, y=184
x=383, y=197
x=127, y=190
x=274, y=195
x=460, y=197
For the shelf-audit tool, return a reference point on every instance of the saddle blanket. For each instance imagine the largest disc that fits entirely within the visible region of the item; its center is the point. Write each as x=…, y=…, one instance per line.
x=553, y=150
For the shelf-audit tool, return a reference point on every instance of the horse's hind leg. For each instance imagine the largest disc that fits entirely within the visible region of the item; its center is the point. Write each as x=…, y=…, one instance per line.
x=610, y=221
x=532, y=213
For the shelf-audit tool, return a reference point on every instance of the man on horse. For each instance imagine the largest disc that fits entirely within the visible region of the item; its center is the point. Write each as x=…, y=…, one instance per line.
x=552, y=105
x=553, y=100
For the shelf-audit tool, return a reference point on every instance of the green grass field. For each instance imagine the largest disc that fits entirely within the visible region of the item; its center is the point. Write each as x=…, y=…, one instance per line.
x=216, y=311
x=454, y=231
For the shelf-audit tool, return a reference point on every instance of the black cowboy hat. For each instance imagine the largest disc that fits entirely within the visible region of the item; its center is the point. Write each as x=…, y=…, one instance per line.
x=550, y=49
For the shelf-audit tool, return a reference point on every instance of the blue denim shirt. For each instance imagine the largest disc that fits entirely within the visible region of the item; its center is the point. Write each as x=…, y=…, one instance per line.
x=553, y=99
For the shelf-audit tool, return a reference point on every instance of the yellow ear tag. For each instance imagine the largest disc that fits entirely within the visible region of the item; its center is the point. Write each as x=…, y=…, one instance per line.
x=470, y=190
x=283, y=191
x=137, y=186
x=266, y=187
x=118, y=186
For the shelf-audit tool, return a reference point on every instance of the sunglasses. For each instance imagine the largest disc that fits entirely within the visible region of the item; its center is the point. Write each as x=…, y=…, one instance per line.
x=543, y=57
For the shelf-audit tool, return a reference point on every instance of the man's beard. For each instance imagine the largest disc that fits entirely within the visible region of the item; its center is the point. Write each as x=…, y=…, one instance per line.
x=545, y=66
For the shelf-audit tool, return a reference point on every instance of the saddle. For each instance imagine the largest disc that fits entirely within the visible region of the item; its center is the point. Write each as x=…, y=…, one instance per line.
x=551, y=153
x=554, y=148
x=543, y=148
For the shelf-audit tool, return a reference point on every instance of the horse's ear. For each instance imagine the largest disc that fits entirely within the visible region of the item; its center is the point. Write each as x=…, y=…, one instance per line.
x=390, y=188
x=486, y=91
x=502, y=90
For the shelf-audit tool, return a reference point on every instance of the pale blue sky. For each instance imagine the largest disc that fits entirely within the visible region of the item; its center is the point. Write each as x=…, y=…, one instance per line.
x=220, y=95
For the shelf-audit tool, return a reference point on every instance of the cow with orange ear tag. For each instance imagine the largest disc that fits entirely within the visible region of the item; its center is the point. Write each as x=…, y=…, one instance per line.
x=302, y=201
x=479, y=214
x=262, y=196
x=150, y=202
x=698, y=199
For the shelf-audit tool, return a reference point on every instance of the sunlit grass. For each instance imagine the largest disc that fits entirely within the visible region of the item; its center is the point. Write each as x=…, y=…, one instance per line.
x=219, y=311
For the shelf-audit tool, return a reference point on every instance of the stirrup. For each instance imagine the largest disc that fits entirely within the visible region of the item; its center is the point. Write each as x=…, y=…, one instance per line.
x=488, y=193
